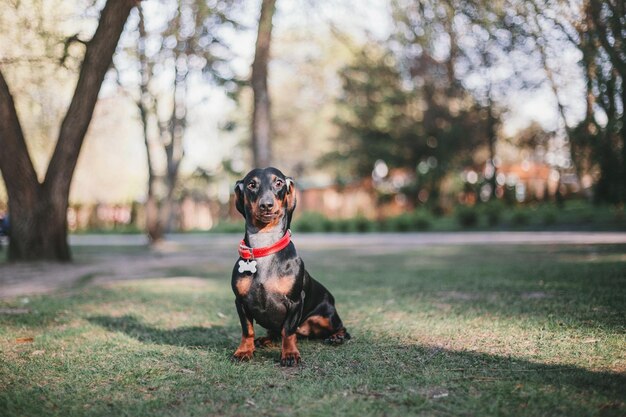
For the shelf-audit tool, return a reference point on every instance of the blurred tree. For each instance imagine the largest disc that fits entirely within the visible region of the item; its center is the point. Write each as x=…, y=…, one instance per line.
x=435, y=117
x=601, y=41
x=372, y=110
x=479, y=43
x=38, y=210
x=596, y=28
x=185, y=45
x=417, y=121
x=261, y=114
x=460, y=61
x=33, y=43
x=305, y=86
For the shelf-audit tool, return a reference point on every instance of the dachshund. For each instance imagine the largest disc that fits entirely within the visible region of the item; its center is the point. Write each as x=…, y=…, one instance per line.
x=271, y=285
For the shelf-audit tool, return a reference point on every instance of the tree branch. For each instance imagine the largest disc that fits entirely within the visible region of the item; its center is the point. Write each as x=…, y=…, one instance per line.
x=66, y=47
x=616, y=60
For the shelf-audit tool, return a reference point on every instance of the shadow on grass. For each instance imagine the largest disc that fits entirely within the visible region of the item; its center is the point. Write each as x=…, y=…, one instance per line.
x=194, y=337
x=473, y=383
x=366, y=377
x=567, y=285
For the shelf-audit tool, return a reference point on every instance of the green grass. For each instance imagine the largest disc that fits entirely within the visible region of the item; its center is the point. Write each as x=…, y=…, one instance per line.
x=445, y=330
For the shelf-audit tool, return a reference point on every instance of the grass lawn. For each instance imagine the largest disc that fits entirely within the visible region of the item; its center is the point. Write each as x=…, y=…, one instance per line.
x=444, y=330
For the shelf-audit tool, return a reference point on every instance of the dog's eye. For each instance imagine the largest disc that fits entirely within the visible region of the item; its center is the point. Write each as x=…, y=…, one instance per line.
x=279, y=184
x=252, y=186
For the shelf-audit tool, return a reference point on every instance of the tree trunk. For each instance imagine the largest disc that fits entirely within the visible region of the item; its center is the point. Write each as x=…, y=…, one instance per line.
x=154, y=228
x=38, y=212
x=160, y=209
x=174, y=150
x=39, y=231
x=622, y=133
x=261, y=115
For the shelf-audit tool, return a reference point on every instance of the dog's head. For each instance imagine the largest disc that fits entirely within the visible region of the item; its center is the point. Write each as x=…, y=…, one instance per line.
x=265, y=196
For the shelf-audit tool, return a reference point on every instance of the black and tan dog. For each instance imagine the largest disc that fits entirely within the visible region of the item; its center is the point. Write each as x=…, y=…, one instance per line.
x=269, y=280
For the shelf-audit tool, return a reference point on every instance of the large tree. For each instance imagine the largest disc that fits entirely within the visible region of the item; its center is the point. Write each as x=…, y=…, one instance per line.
x=38, y=210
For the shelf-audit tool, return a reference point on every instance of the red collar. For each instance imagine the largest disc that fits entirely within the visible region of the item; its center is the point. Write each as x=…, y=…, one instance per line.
x=247, y=252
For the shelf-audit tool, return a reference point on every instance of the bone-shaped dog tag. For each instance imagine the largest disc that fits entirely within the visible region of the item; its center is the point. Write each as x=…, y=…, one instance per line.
x=247, y=266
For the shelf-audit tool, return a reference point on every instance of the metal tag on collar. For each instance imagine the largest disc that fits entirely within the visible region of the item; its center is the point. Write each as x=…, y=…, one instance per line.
x=247, y=266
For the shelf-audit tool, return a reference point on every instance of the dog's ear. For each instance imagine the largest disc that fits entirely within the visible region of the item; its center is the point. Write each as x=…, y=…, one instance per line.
x=291, y=195
x=239, y=197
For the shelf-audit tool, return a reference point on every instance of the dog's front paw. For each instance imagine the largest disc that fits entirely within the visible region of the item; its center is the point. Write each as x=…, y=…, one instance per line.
x=241, y=355
x=290, y=358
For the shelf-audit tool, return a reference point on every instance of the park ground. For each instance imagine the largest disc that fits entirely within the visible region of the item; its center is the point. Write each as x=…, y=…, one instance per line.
x=524, y=324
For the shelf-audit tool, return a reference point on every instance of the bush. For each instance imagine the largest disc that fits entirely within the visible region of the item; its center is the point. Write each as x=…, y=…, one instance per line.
x=361, y=224
x=421, y=220
x=229, y=227
x=312, y=222
x=586, y=215
x=520, y=217
x=401, y=223
x=405, y=222
x=467, y=216
x=493, y=212
x=618, y=216
x=579, y=212
x=549, y=216
x=384, y=225
x=344, y=225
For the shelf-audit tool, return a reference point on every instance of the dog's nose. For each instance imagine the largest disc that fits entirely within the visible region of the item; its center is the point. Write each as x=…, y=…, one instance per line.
x=267, y=204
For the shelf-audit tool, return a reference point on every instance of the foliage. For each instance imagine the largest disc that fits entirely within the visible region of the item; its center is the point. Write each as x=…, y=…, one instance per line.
x=467, y=216
x=575, y=215
x=418, y=220
x=406, y=222
x=312, y=222
x=492, y=211
x=229, y=227
x=410, y=123
x=549, y=216
x=520, y=217
x=595, y=28
x=446, y=52
x=600, y=40
x=41, y=63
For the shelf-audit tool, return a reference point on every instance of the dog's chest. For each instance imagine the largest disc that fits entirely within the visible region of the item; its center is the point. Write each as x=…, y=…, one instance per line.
x=267, y=293
x=268, y=279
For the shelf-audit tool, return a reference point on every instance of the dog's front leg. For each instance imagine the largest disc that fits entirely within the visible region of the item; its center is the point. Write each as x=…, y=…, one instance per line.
x=246, y=348
x=290, y=355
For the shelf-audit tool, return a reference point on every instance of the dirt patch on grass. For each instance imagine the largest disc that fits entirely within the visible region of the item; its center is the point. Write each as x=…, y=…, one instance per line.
x=101, y=268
